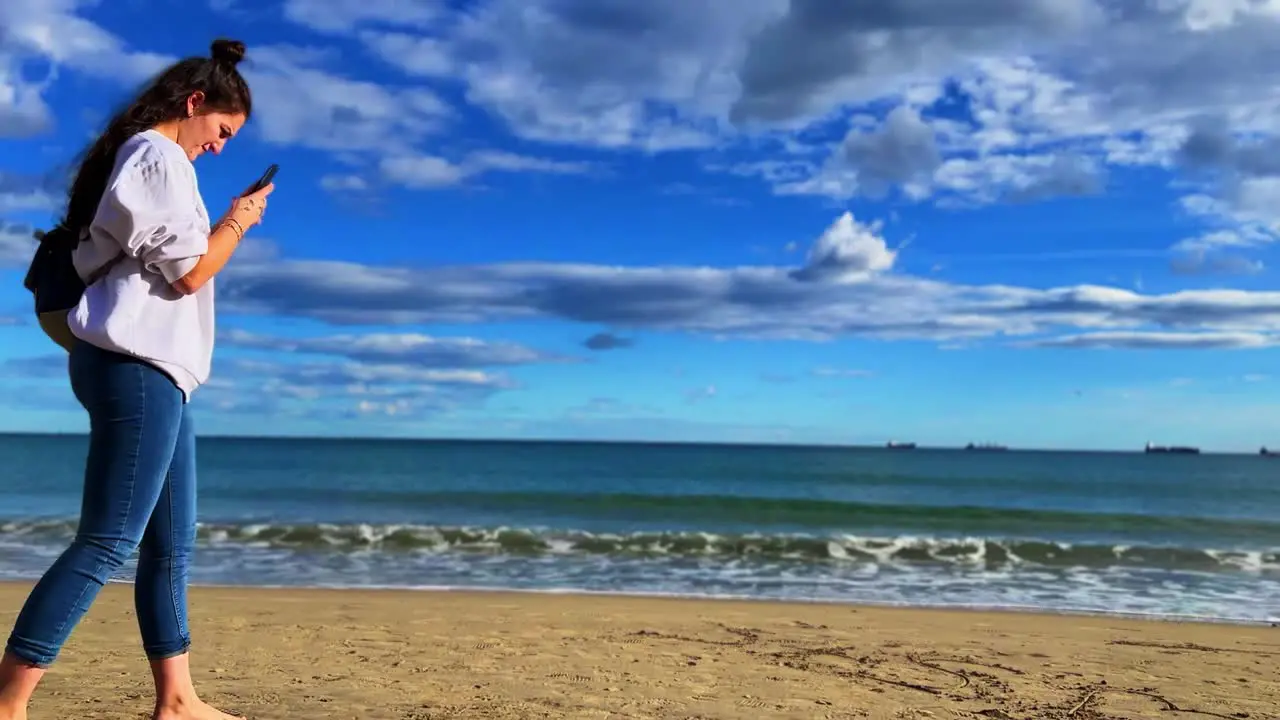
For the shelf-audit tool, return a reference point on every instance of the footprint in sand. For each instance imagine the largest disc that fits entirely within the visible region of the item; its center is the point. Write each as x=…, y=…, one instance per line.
x=1109, y=700
x=754, y=703
x=575, y=679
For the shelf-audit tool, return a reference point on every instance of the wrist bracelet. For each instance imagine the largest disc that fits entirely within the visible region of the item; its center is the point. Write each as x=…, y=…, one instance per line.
x=235, y=227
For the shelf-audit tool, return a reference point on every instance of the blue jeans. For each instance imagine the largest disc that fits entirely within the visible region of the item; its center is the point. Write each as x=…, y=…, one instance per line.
x=139, y=494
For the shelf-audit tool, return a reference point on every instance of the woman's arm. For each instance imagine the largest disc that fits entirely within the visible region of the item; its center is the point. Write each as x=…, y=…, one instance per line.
x=245, y=212
x=148, y=208
x=222, y=243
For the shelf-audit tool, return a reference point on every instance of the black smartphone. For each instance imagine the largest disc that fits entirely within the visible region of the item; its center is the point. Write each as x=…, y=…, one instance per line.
x=263, y=181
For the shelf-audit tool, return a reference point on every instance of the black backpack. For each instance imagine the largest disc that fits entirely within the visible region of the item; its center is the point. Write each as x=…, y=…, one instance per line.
x=53, y=280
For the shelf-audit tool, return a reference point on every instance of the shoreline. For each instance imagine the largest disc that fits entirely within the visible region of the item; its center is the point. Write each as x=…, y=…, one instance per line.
x=1161, y=582
x=328, y=654
x=1017, y=610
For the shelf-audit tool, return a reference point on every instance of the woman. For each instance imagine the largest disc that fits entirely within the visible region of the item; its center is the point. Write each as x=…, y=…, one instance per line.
x=144, y=343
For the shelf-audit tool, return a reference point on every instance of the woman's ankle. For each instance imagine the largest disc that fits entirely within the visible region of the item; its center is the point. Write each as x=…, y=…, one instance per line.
x=18, y=680
x=174, y=686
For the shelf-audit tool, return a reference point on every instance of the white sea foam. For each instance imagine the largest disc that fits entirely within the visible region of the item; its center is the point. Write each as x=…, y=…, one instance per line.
x=911, y=570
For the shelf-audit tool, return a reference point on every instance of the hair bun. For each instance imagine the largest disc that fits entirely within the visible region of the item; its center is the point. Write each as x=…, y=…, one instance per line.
x=228, y=52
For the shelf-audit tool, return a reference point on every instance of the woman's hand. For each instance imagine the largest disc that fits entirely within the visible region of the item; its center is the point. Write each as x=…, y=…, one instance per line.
x=247, y=210
x=226, y=234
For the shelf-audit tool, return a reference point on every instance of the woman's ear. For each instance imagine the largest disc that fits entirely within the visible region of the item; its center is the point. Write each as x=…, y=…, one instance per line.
x=194, y=103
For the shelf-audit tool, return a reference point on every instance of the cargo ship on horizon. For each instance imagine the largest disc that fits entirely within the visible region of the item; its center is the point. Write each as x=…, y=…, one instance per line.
x=1171, y=450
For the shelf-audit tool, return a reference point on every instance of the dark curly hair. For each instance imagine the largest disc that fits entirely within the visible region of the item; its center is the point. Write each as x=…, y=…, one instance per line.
x=164, y=98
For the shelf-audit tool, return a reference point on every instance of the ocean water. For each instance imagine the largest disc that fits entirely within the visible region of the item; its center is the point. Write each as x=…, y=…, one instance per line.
x=1161, y=535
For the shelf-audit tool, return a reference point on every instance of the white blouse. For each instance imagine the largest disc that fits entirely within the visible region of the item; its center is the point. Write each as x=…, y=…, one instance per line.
x=153, y=212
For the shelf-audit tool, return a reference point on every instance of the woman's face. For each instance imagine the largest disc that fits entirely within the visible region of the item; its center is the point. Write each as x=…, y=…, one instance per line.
x=206, y=130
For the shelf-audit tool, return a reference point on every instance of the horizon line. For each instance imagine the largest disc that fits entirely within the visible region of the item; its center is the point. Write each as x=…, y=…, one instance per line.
x=704, y=443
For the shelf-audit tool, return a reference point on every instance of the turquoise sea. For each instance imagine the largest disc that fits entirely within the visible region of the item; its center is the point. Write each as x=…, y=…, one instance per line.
x=1163, y=535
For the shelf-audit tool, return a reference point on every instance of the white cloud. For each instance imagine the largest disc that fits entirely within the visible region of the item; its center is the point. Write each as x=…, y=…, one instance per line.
x=53, y=30
x=1015, y=103
x=847, y=252
x=1209, y=15
x=336, y=15
x=298, y=101
x=22, y=193
x=23, y=111
x=830, y=372
x=16, y=244
x=972, y=101
x=321, y=389
x=428, y=172
x=344, y=183
x=700, y=394
x=417, y=55
x=902, y=151
x=997, y=100
x=1162, y=340
x=1204, y=262
x=606, y=73
x=416, y=349
x=359, y=374
x=421, y=171
x=53, y=33
x=497, y=161
x=318, y=390
x=362, y=374
x=821, y=55
x=846, y=288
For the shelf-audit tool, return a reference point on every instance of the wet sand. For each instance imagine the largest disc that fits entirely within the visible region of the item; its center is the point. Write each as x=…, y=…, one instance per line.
x=316, y=655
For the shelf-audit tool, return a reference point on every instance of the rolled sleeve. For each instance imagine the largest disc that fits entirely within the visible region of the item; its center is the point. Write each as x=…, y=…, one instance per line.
x=149, y=209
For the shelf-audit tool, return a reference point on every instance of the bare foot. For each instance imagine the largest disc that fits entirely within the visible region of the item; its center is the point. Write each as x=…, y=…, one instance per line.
x=196, y=710
x=13, y=714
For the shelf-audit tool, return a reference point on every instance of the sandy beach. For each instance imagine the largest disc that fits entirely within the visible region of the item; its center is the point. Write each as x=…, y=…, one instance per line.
x=417, y=655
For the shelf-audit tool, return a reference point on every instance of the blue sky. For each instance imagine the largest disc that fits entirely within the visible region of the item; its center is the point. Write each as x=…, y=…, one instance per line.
x=1045, y=223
